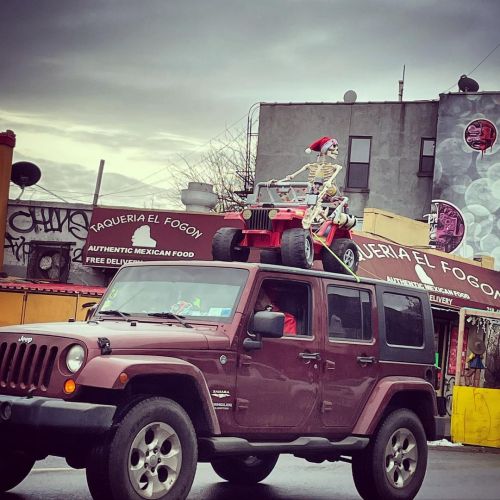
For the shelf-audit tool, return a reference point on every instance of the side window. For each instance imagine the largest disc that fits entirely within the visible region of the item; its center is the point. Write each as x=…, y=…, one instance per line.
x=349, y=313
x=404, y=325
x=358, y=166
x=427, y=149
x=290, y=298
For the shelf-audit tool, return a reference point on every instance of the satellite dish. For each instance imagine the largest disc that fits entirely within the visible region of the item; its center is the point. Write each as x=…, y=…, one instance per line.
x=466, y=84
x=350, y=97
x=25, y=173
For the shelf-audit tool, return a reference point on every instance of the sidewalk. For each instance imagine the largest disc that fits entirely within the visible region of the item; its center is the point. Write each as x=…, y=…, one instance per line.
x=445, y=445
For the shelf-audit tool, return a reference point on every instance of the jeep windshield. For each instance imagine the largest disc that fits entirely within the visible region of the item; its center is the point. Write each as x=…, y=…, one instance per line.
x=281, y=193
x=174, y=293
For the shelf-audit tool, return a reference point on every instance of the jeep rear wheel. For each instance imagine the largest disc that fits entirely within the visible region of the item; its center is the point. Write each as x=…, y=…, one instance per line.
x=15, y=467
x=393, y=466
x=245, y=470
x=225, y=245
x=346, y=250
x=153, y=454
x=297, y=248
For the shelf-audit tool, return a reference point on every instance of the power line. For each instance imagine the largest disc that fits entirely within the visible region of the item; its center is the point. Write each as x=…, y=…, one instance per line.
x=484, y=59
x=477, y=66
x=50, y=192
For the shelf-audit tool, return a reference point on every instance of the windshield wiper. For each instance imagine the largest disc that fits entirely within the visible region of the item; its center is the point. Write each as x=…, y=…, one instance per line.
x=114, y=312
x=170, y=315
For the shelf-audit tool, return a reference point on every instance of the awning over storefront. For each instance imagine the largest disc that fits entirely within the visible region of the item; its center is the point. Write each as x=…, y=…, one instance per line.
x=61, y=288
x=451, y=283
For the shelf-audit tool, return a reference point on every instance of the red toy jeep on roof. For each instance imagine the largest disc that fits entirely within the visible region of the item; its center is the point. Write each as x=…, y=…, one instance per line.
x=292, y=225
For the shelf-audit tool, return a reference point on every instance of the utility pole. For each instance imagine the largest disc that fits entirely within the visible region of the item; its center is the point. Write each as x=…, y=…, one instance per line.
x=98, y=183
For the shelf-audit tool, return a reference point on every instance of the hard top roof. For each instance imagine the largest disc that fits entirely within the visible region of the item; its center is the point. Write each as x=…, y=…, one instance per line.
x=253, y=266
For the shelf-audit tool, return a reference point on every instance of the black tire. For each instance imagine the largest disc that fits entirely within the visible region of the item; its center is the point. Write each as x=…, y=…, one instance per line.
x=346, y=250
x=225, y=245
x=15, y=467
x=386, y=471
x=270, y=257
x=98, y=474
x=245, y=470
x=131, y=448
x=297, y=248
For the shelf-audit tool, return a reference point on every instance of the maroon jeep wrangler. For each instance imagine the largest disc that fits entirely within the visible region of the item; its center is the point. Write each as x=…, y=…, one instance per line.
x=187, y=362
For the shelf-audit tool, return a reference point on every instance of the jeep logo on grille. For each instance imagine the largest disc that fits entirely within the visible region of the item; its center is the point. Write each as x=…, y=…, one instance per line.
x=25, y=340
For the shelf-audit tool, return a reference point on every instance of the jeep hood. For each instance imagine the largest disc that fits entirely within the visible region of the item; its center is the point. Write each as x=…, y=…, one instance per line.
x=125, y=335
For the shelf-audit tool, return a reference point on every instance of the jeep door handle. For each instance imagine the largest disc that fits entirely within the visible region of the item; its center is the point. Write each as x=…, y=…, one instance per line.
x=310, y=356
x=366, y=360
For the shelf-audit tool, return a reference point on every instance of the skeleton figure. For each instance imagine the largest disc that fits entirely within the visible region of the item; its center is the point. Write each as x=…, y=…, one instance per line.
x=321, y=179
x=321, y=169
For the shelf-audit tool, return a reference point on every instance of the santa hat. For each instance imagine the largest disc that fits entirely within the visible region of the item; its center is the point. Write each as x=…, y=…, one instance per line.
x=322, y=145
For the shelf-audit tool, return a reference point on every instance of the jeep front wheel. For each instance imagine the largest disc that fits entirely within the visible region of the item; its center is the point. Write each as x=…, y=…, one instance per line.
x=153, y=454
x=394, y=464
x=15, y=467
x=245, y=470
x=297, y=248
x=225, y=245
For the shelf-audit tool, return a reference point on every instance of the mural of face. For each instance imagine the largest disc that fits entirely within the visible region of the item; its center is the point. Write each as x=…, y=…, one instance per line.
x=446, y=226
x=480, y=135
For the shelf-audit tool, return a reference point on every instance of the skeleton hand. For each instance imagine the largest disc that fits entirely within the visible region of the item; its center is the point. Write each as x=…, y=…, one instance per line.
x=272, y=181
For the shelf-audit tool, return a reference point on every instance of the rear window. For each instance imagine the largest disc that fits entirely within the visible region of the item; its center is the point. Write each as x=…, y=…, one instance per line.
x=404, y=325
x=349, y=314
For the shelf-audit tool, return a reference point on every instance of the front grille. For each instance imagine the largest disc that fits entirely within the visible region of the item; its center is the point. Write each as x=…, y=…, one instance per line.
x=260, y=219
x=26, y=366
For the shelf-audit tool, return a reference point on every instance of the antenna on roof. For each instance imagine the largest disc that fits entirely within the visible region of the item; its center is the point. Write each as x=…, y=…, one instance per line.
x=401, y=85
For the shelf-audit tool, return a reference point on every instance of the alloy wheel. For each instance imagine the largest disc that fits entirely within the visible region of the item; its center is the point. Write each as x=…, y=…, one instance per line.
x=155, y=460
x=401, y=458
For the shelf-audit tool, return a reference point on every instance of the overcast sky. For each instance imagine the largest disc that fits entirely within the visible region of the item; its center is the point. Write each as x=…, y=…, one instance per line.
x=142, y=83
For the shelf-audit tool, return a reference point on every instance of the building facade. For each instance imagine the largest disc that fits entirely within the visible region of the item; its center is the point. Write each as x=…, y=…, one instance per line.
x=399, y=156
x=382, y=141
x=45, y=240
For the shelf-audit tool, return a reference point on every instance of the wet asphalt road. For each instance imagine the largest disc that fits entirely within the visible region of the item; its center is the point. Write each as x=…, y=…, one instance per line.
x=451, y=475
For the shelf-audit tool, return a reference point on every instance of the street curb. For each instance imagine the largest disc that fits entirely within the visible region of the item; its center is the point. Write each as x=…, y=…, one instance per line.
x=466, y=449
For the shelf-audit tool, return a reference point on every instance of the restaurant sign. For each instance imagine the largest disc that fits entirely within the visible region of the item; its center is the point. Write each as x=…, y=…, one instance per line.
x=119, y=236
x=450, y=283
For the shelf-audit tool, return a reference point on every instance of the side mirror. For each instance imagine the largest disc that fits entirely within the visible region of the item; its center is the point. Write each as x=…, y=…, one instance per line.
x=268, y=324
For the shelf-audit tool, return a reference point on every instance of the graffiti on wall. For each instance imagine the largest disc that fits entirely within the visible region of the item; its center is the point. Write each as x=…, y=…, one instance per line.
x=467, y=167
x=26, y=223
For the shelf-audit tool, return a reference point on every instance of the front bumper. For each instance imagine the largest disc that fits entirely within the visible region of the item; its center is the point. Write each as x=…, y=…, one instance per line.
x=38, y=413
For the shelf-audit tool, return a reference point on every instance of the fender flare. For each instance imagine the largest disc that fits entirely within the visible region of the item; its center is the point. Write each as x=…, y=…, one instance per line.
x=104, y=372
x=381, y=396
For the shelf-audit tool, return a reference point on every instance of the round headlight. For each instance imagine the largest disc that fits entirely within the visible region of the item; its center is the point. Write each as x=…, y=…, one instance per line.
x=74, y=359
x=246, y=214
x=272, y=213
